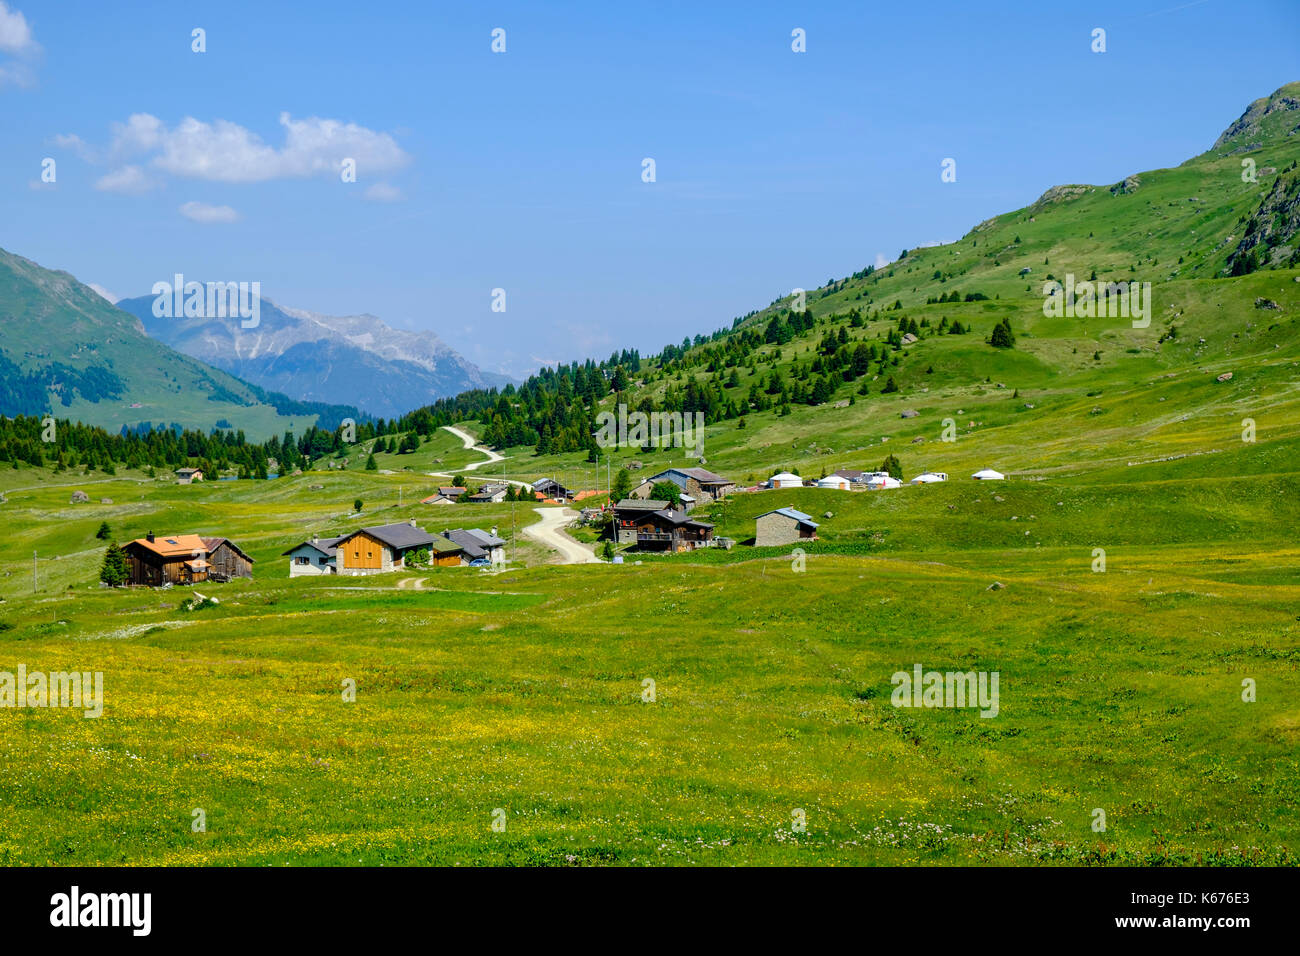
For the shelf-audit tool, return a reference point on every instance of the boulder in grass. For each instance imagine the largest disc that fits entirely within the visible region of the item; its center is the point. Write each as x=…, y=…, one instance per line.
x=79, y=496
x=1225, y=377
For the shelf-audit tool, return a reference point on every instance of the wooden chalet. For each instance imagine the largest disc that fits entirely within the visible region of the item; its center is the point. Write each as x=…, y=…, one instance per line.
x=661, y=529
x=629, y=515
x=386, y=548
x=175, y=559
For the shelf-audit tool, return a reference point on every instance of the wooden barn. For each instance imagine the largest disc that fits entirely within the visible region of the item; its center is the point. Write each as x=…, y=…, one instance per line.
x=178, y=559
x=226, y=560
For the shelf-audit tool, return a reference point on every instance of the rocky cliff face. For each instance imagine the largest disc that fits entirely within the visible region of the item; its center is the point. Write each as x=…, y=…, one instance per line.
x=1270, y=237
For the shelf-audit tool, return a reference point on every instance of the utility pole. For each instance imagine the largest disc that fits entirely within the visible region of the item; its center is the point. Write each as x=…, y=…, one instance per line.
x=33, y=572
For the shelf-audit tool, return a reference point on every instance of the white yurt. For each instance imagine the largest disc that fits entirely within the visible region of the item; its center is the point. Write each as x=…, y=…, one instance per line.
x=988, y=474
x=930, y=477
x=838, y=482
x=881, y=482
x=783, y=479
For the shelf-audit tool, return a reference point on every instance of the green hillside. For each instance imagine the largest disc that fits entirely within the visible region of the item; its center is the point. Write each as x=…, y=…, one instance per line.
x=1075, y=395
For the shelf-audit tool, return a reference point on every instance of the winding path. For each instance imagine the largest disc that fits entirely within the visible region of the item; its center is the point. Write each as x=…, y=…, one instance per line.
x=550, y=532
x=470, y=445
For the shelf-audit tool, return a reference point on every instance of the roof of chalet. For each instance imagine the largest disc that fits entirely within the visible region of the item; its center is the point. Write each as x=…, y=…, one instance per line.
x=473, y=542
x=641, y=504
x=451, y=490
x=702, y=475
x=798, y=516
x=174, y=546
x=679, y=519
x=401, y=535
x=485, y=538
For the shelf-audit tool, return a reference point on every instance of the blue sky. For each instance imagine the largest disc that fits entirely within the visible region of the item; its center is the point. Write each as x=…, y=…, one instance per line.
x=522, y=170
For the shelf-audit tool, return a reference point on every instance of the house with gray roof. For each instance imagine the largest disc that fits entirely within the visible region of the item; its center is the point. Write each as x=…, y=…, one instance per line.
x=699, y=484
x=476, y=544
x=316, y=556
x=783, y=526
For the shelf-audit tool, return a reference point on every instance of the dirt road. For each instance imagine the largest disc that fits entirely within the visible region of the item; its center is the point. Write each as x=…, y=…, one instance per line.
x=549, y=531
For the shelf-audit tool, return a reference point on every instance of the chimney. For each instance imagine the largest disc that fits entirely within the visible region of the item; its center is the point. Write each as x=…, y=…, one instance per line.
x=412, y=522
x=494, y=531
x=149, y=537
x=315, y=538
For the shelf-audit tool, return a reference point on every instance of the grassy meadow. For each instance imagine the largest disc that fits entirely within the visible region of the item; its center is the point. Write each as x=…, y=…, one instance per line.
x=522, y=691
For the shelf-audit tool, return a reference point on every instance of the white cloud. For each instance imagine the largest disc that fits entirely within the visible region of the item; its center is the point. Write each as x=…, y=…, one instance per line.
x=16, y=41
x=383, y=192
x=204, y=213
x=222, y=151
x=111, y=297
x=140, y=133
x=15, y=35
x=131, y=180
x=881, y=261
x=78, y=145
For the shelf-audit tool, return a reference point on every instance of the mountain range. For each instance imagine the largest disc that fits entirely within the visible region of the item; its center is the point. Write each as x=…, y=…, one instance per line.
x=353, y=360
x=67, y=351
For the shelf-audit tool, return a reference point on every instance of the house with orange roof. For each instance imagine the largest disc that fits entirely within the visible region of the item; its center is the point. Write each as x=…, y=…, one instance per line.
x=181, y=559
